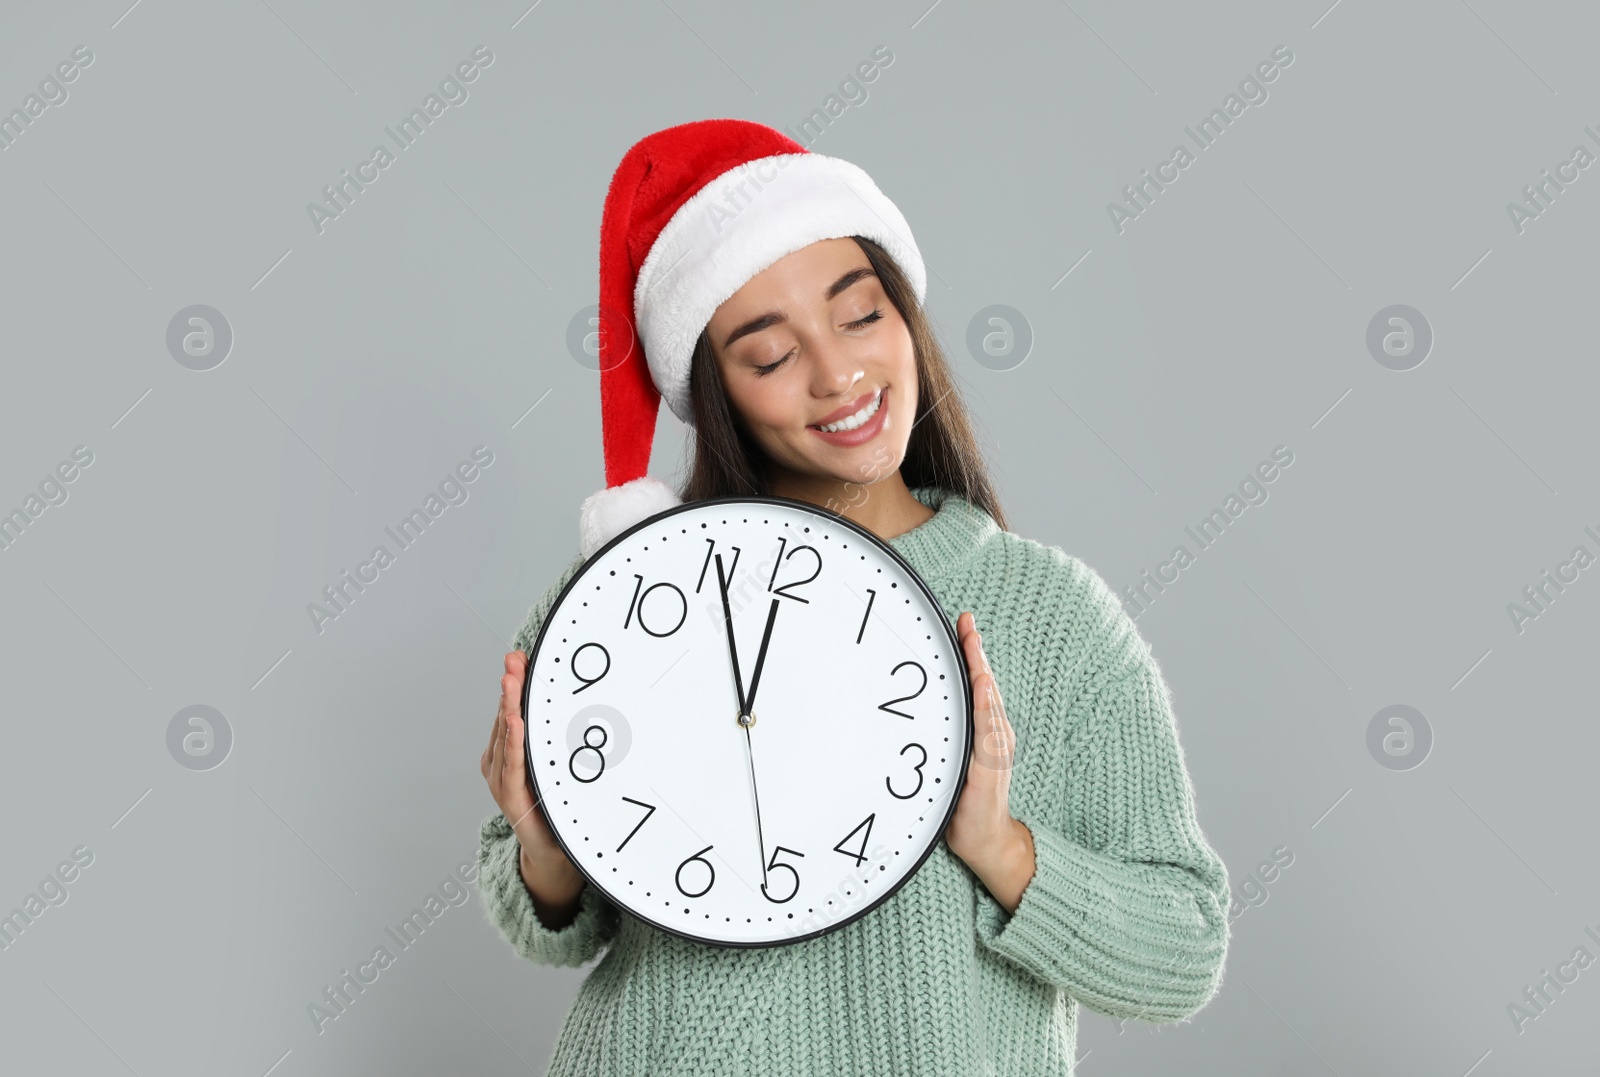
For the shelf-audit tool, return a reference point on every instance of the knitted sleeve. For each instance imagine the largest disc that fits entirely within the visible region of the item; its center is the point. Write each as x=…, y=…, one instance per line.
x=510, y=905
x=505, y=897
x=1127, y=908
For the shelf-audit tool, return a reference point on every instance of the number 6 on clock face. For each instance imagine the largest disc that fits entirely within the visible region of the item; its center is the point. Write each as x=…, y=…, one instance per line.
x=748, y=721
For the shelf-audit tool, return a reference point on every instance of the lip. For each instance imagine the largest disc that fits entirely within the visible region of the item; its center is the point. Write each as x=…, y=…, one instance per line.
x=848, y=410
x=863, y=433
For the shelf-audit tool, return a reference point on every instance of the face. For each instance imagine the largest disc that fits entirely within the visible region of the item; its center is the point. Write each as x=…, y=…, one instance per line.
x=811, y=341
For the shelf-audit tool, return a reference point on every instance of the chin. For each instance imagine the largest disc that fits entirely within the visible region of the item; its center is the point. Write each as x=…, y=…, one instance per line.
x=866, y=464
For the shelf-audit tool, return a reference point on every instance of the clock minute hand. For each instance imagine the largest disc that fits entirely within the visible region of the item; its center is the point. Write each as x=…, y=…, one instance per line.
x=738, y=684
x=755, y=794
x=750, y=705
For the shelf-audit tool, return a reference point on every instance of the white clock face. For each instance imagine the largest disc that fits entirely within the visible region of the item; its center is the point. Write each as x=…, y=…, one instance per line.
x=790, y=825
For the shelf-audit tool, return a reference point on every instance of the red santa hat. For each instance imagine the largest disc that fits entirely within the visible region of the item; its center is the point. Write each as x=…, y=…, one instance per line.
x=692, y=213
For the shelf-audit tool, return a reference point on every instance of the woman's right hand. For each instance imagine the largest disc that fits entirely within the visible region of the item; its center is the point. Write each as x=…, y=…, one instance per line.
x=550, y=875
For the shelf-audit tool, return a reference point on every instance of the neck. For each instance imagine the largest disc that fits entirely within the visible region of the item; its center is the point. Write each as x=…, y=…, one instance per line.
x=887, y=507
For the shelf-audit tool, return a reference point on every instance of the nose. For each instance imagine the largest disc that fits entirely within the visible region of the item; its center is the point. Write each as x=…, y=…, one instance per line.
x=835, y=372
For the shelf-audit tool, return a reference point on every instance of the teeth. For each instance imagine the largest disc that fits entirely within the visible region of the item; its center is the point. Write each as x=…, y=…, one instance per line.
x=853, y=421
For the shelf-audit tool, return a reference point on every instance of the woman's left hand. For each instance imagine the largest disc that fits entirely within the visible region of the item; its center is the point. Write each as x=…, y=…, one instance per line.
x=997, y=847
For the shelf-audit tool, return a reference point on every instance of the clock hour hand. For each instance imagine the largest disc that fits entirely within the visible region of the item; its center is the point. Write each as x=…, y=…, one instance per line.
x=733, y=650
x=761, y=658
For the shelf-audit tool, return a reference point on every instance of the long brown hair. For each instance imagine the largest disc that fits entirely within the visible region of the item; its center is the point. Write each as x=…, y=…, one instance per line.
x=942, y=450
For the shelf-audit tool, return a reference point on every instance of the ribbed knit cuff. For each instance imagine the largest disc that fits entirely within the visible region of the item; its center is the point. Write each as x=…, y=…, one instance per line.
x=1038, y=931
x=1073, y=928
x=510, y=906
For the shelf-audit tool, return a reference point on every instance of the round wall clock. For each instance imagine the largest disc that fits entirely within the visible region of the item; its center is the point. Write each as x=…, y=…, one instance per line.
x=748, y=720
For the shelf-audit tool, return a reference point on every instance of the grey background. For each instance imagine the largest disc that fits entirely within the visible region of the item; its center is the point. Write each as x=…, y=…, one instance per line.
x=370, y=359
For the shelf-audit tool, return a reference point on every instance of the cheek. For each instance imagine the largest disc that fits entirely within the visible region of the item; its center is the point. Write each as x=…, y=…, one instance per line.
x=906, y=383
x=766, y=405
x=903, y=358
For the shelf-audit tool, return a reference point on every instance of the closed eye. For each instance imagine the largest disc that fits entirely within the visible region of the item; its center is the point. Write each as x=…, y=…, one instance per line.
x=876, y=315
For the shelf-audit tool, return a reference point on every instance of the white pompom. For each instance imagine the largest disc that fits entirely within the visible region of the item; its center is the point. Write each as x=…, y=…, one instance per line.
x=608, y=513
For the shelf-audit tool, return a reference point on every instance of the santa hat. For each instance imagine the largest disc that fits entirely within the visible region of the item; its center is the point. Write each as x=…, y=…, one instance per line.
x=692, y=213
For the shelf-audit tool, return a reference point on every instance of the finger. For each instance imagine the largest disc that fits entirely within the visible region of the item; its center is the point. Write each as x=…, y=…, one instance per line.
x=967, y=630
x=992, y=729
x=497, y=747
x=510, y=690
x=1002, y=724
x=982, y=697
x=511, y=683
x=983, y=655
x=495, y=730
x=1001, y=732
x=488, y=749
x=978, y=669
x=513, y=749
x=516, y=774
x=989, y=712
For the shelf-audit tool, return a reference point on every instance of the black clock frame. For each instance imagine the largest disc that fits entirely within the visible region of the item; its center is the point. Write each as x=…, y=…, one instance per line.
x=832, y=518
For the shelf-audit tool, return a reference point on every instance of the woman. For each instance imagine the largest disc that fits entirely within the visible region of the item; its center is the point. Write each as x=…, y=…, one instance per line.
x=1072, y=871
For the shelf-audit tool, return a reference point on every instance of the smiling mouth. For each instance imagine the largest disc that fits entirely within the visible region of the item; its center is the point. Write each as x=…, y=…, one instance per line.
x=850, y=422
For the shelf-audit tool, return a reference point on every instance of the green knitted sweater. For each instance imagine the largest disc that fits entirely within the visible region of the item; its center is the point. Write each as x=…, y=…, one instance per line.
x=1126, y=911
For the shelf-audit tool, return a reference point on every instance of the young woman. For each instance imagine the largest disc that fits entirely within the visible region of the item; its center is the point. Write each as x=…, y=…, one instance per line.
x=1073, y=869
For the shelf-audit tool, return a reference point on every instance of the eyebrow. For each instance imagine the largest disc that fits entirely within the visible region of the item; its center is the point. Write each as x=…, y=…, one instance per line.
x=777, y=317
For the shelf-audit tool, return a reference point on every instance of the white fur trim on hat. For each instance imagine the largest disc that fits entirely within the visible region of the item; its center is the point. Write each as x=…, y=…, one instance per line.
x=736, y=226
x=608, y=513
